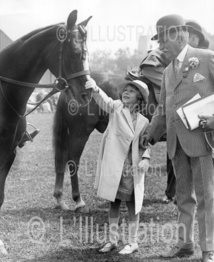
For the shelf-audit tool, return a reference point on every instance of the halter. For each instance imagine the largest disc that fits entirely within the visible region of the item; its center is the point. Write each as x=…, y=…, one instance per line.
x=60, y=83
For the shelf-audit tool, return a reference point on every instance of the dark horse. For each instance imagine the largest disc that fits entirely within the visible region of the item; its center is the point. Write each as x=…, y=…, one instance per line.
x=60, y=48
x=73, y=128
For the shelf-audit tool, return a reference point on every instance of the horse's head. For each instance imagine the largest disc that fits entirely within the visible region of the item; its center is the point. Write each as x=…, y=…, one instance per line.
x=72, y=68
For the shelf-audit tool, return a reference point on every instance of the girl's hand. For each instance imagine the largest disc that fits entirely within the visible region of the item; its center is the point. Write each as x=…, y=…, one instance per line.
x=144, y=165
x=92, y=84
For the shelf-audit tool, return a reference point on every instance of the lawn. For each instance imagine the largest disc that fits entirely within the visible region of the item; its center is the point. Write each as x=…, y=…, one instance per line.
x=33, y=230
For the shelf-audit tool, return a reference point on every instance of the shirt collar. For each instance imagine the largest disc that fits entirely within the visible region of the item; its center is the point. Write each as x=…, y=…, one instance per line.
x=182, y=54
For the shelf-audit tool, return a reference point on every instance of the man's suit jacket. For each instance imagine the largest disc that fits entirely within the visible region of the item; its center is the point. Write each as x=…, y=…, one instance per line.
x=176, y=91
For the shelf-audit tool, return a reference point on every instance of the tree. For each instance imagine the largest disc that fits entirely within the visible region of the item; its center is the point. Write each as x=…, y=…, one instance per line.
x=118, y=63
x=101, y=60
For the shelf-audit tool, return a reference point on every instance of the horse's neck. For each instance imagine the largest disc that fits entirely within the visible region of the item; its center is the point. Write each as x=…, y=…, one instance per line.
x=25, y=59
x=22, y=61
x=29, y=63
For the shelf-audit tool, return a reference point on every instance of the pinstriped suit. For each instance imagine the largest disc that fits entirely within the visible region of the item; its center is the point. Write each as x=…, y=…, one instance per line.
x=188, y=150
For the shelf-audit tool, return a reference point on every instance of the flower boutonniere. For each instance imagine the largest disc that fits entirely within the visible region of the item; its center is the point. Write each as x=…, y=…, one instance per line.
x=193, y=64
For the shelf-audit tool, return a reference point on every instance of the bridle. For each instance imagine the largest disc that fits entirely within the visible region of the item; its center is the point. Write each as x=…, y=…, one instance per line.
x=60, y=83
x=62, y=35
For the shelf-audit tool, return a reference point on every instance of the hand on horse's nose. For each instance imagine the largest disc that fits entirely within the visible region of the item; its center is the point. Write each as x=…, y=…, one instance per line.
x=90, y=83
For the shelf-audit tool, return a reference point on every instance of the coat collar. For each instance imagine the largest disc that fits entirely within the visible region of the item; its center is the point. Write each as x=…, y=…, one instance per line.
x=139, y=122
x=128, y=118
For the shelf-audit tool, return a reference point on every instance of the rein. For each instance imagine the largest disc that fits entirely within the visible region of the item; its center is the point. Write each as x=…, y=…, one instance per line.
x=57, y=86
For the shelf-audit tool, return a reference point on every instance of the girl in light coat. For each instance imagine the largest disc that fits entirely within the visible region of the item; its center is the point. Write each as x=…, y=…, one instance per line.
x=121, y=163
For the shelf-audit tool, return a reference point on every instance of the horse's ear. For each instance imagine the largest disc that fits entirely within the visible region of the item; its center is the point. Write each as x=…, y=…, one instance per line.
x=72, y=19
x=85, y=22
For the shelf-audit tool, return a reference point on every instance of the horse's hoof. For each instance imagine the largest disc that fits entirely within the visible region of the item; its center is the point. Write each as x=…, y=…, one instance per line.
x=62, y=206
x=82, y=209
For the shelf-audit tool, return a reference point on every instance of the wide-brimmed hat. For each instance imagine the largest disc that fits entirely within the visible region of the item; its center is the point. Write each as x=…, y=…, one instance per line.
x=196, y=29
x=141, y=86
x=169, y=24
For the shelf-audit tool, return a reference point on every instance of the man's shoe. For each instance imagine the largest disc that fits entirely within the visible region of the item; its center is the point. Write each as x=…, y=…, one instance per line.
x=178, y=252
x=108, y=247
x=28, y=137
x=129, y=249
x=208, y=256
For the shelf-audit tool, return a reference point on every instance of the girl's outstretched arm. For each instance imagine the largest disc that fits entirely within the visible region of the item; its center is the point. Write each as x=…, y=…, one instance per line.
x=105, y=102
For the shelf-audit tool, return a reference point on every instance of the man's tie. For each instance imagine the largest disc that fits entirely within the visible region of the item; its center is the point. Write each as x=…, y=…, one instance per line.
x=176, y=66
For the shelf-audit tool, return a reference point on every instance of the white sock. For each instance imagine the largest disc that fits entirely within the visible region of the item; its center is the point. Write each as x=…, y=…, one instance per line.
x=133, y=229
x=113, y=229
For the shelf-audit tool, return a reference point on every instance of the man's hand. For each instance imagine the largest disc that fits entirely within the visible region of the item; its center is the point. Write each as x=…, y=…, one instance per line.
x=144, y=140
x=207, y=122
x=92, y=84
x=144, y=165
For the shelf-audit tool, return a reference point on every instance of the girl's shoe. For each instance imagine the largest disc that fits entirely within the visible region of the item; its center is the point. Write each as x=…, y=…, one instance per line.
x=108, y=247
x=129, y=249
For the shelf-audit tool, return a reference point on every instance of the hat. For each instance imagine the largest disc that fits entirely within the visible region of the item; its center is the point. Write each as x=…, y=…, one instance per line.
x=141, y=86
x=205, y=44
x=196, y=28
x=170, y=24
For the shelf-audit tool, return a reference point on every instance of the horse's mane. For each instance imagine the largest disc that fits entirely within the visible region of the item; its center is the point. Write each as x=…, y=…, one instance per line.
x=37, y=31
x=28, y=37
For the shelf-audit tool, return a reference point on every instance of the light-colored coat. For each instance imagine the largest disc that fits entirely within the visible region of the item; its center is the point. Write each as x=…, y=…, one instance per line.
x=115, y=144
x=175, y=92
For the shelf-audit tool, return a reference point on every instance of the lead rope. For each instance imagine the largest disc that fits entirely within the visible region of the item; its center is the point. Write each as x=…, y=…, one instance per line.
x=54, y=91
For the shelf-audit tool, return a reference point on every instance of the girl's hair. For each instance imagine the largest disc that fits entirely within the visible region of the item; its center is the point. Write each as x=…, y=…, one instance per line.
x=141, y=102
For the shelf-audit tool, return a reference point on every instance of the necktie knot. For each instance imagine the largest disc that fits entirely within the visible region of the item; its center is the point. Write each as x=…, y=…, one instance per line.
x=176, y=66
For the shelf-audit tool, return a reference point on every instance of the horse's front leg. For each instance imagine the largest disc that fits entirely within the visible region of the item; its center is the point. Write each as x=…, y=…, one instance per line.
x=76, y=195
x=4, y=170
x=75, y=153
x=58, y=191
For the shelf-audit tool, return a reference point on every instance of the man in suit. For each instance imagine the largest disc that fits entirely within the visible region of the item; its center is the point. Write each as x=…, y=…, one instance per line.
x=190, y=72
x=152, y=68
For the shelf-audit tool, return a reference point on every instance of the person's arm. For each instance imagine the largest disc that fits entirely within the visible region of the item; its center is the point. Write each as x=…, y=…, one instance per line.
x=211, y=66
x=105, y=102
x=152, y=67
x=207, y=121
x=144, y=163
x=157, y=128
x=154, y=74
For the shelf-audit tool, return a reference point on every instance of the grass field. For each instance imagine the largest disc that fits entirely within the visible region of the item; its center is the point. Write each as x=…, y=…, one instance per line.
x=33, y=230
